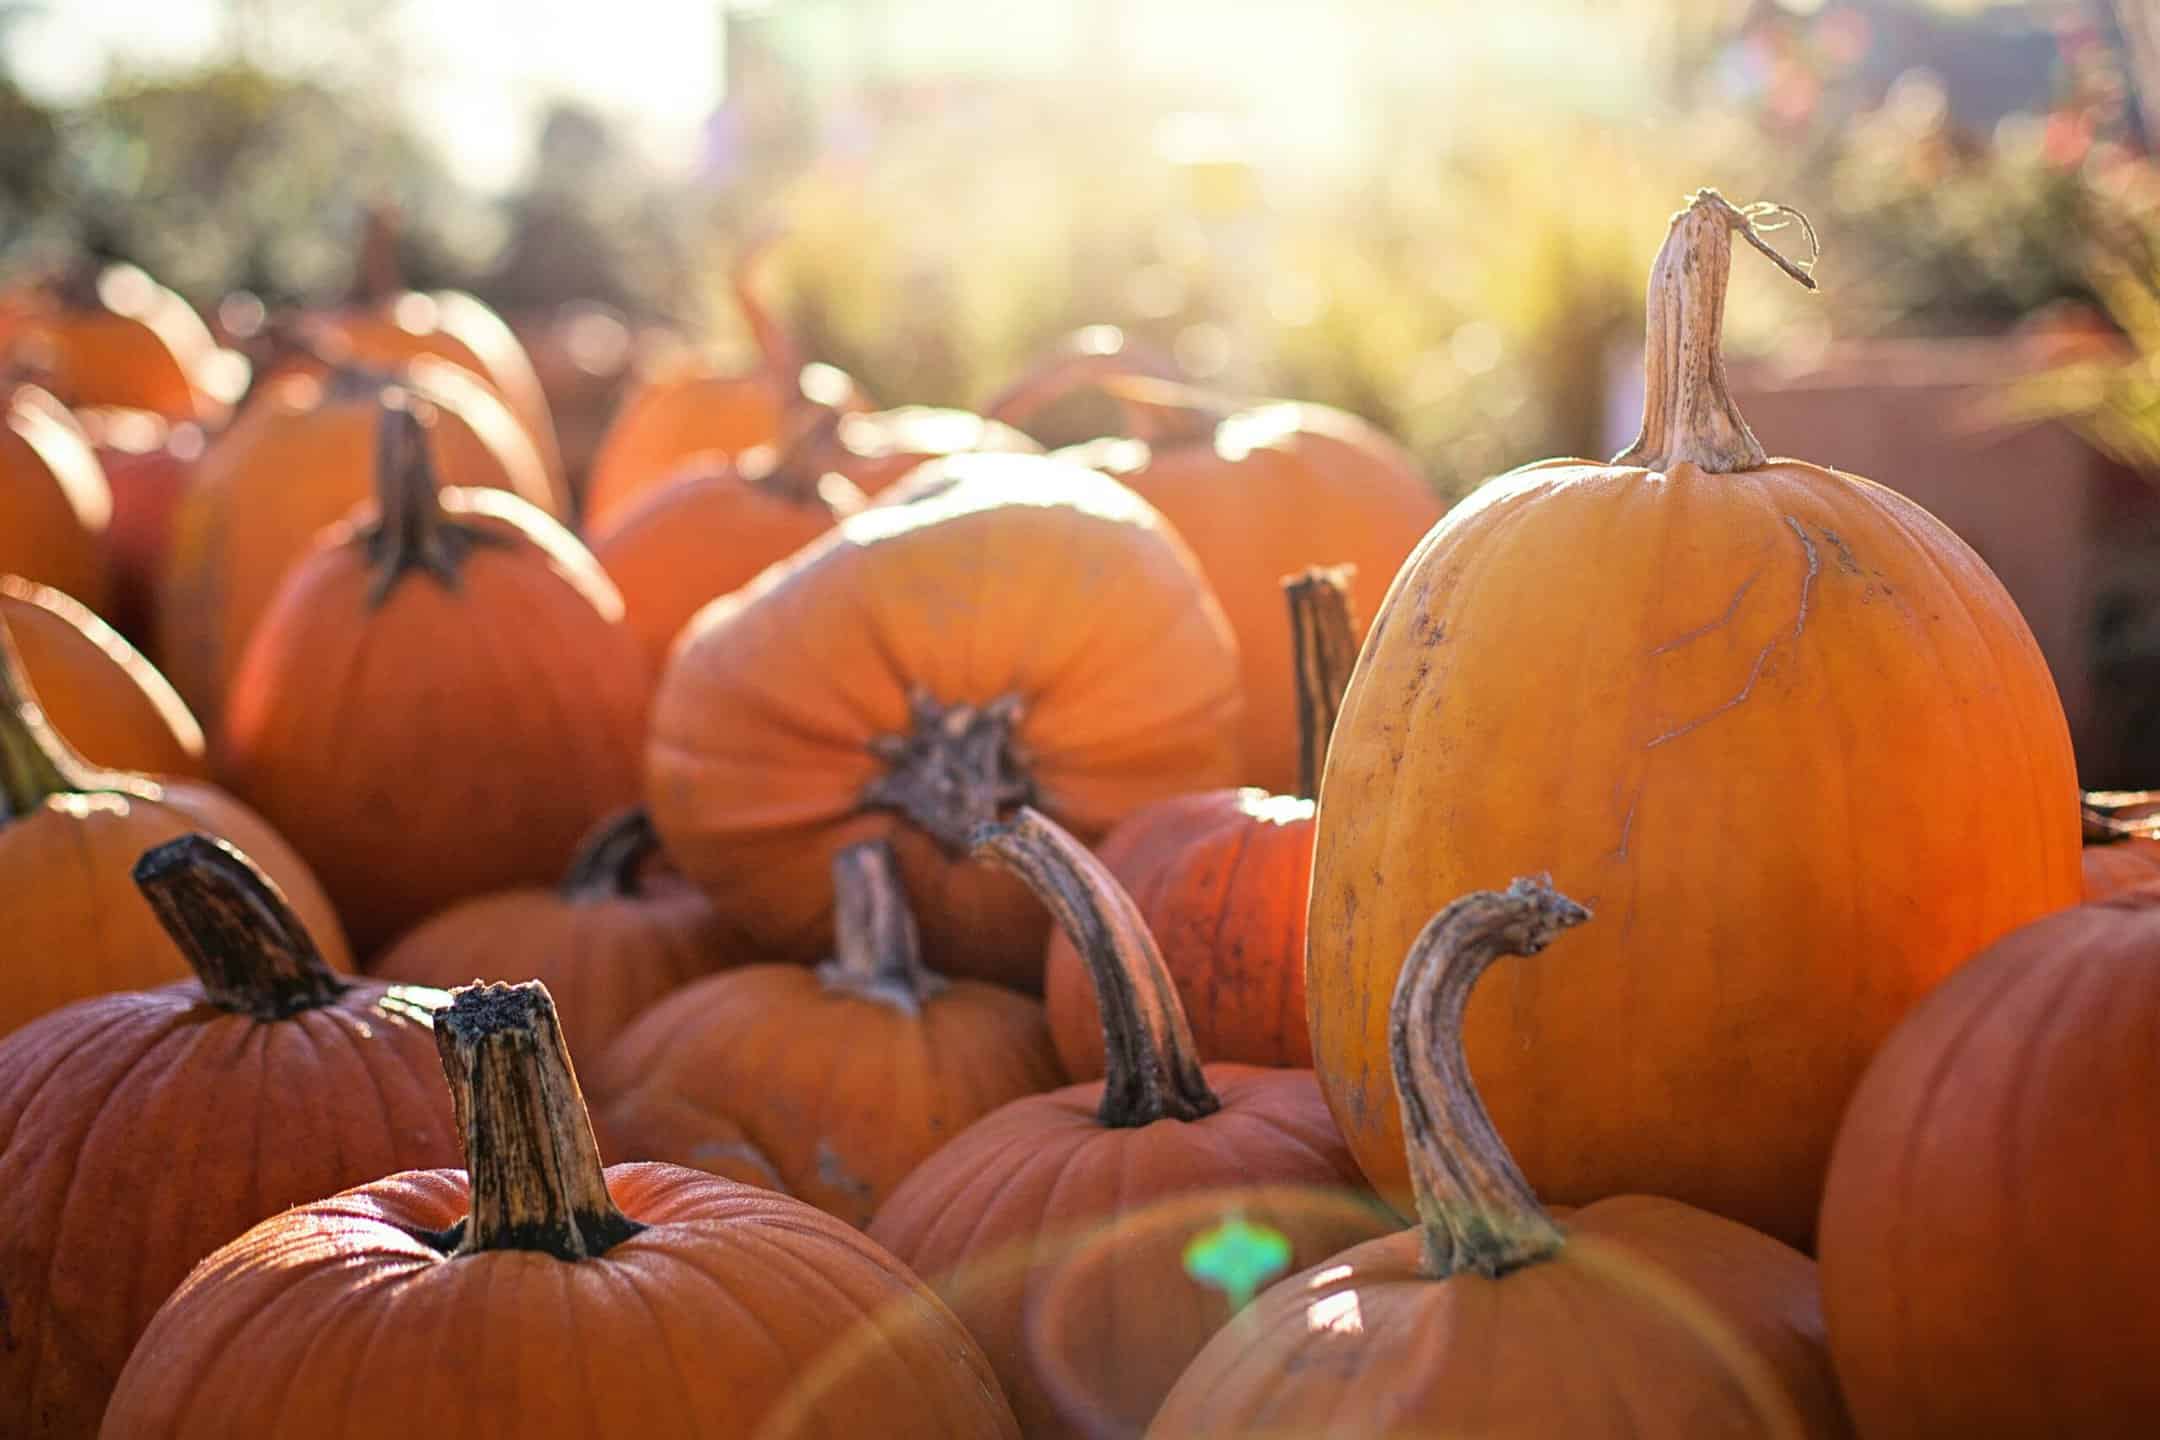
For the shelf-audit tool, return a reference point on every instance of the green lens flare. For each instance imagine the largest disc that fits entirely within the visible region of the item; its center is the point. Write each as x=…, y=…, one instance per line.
x=1237, y=1257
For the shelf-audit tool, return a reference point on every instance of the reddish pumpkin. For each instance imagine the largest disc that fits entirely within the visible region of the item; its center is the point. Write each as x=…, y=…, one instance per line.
x=141, y=1131
x=96, y=689
x=440, y=701
x=149, y=463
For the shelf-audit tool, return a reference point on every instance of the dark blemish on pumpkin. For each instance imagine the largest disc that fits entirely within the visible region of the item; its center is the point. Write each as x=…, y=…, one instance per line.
x=1845, y=559
x=834, y=1172
x=1732, y=608
x=1762, y=656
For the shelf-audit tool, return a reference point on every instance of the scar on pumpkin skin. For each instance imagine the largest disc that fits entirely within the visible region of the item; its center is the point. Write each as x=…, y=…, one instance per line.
x=1762, y=656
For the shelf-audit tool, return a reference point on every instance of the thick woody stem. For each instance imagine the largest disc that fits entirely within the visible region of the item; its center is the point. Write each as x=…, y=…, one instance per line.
x=610, y=857
x=1476, y=1210
x=245, y=944
x=1323, y=650
x=957, y=767
x=877, y=954
x=411, y=530
x=537, y=1183
x=1151, y=1066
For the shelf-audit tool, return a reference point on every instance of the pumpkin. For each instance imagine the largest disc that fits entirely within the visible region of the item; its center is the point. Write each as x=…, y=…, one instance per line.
x=69, y=831
x=611, y=939
x=1221, y=876
x=691, y=408
x=835, y=1081
x=298, y=460
x=109, y=334
x=534, y=1294
x=55, y=504
x=1736, y=703
x=1635, y=1316
x=149, y=463
x=440, y=701
x=2122, y=841
x=386, y=326
x=141, y=1131
x=990, y=1219
x=710, y=530
x=1987, y=1246
x=1007, y=628
x=96, y=689
x=1260, y=491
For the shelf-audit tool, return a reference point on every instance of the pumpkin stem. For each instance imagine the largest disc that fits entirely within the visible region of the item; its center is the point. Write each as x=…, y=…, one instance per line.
x=36, y=761
x=1323, y=649
x=1151, y=1066
x=411, y=531
x=1088, y=356
x=797, y=473
x=610, y=857
x=1688, y=412
x=778, y=352
x=376, y=273
x=537, y=1183
x=957, y=767
x=877, y=954
x=244, y=943
x=1476, y=1210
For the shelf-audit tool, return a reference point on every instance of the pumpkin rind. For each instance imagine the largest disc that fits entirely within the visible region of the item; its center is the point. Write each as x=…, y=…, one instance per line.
x=98, y=690
x=55, y=503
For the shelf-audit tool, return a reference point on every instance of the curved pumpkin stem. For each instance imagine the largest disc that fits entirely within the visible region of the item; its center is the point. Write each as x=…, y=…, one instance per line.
x=778, y=353
x=877, y=954
x=537, y=1183
x=411, y=531
x=1151, y=1066
x=1476, y=1210
x=244, y=943
x=1091, y=355
x=36, y=761
x=1688, y=412
x=797, y=472
x=1323, y=650
x=610, y=857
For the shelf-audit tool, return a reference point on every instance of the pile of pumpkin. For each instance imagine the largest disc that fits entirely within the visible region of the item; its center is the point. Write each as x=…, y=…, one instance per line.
x=858, y=802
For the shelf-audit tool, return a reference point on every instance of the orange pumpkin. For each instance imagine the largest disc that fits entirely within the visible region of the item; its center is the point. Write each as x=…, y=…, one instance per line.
x=712, y=529
x=55, y=504
x=1260, y=490
x=108, y=334
x=833, y=1083
x=533, y=1295
x=610, y=939
x=141, y=1131
x=96, y=689
x=1739, y=705
x=1987, y=1243
x=1221, y=879
x=149, y=463
x=991, y=1218
x=1017, y=629
x=69, y=832
x=1634, y=1317
x=690, y=409
x=440, y=701
x=299, y=459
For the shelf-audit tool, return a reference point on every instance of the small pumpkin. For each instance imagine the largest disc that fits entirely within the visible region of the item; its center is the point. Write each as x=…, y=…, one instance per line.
x=611, y=939
x=299, y=459
x=1259, y=490
x=1736, y=703
x=109, y=334
x=712, y=529
x=1006, y=628
x=991, y=1218
x=1988, y=1253
x=140, y=1131
x=1221, y=878
x=440, y=701
x=1634, y=1316
x=532, y=1294
x=55, y=504
x=97, y=689
x=69, y=833
x=834, y=1082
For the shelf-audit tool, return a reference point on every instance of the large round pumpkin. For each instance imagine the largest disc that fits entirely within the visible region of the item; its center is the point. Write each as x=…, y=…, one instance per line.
x=1221, y=877
x=141, y=1131
x=55, y=504
x=1631, y=1317
x=298, y=460
x=1006, y=628
x=440, y=701
x=533, y=1295
x=998, y=1218
x=1988, y=1252
x=1740, y=707
x=69, y=834
x=833, y=1083
x=97, y=689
